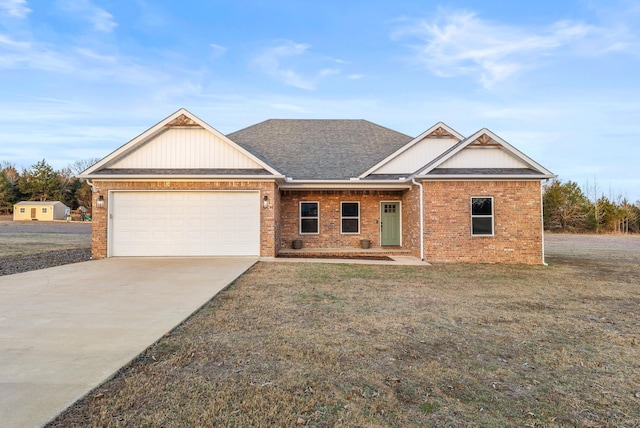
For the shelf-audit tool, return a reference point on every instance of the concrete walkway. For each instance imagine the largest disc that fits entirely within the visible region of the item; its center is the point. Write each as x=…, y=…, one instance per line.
x=64, y=330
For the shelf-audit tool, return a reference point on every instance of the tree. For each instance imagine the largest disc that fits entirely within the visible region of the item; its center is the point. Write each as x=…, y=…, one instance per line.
x=9, y=178
x=80, y=165
x=41, y=182
x=81, y=189
x=565, y=207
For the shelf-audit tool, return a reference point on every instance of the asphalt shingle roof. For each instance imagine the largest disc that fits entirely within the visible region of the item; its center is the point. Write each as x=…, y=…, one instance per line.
x=320, y=149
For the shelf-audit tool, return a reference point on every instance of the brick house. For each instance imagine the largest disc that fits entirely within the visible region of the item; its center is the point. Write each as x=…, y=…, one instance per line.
x=184, y=189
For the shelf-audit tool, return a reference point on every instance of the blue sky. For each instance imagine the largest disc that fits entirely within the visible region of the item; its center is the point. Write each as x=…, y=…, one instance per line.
x=560, y=80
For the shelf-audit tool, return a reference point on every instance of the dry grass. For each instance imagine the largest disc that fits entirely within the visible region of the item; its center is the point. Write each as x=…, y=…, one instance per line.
x=21, y=238
x=354, y=345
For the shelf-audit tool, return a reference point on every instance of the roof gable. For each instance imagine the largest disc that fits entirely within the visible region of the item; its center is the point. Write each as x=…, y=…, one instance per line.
x=320, y=149
x=417, y=152
x=483, y=153
x=181, y=142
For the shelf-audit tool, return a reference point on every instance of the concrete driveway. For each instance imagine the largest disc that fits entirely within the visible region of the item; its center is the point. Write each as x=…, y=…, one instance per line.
x=66, y=329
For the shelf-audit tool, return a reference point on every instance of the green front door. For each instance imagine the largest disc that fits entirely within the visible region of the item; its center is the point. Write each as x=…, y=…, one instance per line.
x=390, y=223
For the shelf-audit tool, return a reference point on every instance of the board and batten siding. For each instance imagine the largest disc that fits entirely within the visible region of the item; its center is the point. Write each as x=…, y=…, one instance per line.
x=186, y=148
x=417, y=156
x=483, y=157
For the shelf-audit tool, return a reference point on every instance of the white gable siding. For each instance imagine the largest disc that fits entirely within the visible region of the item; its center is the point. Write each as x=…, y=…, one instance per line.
x=185, y=148
x=483, y=157
x=417, y=156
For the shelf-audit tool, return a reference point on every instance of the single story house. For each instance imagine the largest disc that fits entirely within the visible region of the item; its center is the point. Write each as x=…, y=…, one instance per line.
x=43, y=211
x=182, y=188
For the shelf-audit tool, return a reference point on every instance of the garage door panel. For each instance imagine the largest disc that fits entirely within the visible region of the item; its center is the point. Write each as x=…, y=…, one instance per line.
x=185, y=223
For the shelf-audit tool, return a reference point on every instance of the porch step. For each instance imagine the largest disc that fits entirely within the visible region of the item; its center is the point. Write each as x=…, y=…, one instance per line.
x=343, y=252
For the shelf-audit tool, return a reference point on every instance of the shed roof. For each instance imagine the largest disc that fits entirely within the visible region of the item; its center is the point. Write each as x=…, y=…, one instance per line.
x=38, y=203
x=329, y=149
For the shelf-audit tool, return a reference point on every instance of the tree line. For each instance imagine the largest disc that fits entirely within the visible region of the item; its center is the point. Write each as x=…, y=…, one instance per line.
x=570, y=209
x=567, y=207
x=41, y=182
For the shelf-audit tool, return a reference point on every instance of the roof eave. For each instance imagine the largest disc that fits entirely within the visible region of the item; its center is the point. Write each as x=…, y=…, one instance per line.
x=485, y=177
x=138, y=177
x=290, y=184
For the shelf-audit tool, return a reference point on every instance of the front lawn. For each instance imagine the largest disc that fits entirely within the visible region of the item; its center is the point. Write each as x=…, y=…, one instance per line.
x=353, y=345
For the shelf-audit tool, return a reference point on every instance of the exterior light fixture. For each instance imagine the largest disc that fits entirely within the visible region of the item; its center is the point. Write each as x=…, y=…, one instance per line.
x=100, y=202
x=265, y=202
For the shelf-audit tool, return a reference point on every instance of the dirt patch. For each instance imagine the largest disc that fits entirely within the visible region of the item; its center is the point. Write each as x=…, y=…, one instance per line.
x=361, y=345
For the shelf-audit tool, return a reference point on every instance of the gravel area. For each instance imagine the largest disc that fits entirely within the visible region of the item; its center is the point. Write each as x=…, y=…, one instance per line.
x=17, y=264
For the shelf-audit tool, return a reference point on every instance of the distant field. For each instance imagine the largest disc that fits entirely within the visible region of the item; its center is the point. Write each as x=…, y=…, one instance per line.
x=19, y=238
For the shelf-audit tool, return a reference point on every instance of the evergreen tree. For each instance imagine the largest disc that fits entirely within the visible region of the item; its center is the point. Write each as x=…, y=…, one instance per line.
x=566, y=208
x=40, y=183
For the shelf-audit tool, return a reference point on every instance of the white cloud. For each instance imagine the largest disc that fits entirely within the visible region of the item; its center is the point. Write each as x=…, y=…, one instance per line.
x=96, y=56
x=217, y=50
x=15, y=8
x=270, y=60
x=356, y=76
x=100, y=19
x=8, y=41
x=460, y=43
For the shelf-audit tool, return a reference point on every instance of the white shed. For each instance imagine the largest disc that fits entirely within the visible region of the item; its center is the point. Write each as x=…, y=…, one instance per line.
x=43, y=211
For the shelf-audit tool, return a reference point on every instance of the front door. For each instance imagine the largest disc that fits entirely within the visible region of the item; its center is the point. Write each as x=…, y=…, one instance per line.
x=33, y=213
x=390, y=223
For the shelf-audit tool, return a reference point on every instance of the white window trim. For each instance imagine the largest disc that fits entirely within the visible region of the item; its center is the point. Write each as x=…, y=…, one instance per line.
x=23, y=210
x=300, y=218
x=350, y=218
x=471, y=217
x=44, y=210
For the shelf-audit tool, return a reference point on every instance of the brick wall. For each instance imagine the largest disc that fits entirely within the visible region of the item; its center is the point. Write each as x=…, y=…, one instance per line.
x=411, y=220
x=330, y=236
x=447, y=234
x=517, y=222
x=269, y=224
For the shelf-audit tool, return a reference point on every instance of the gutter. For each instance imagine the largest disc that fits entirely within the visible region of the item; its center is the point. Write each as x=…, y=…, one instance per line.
x=413, y=180
x=181, y=177
x=476, y=177
x=544, y=262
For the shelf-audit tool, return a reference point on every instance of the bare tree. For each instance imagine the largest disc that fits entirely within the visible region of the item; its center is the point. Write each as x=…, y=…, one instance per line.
x=80, y=165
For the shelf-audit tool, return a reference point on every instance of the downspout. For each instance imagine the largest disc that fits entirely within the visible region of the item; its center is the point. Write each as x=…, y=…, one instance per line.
x=544, y=263
x=413, y=180
x=94, y=189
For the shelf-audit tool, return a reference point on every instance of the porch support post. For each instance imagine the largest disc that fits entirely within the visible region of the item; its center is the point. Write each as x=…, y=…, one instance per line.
x=421, y=218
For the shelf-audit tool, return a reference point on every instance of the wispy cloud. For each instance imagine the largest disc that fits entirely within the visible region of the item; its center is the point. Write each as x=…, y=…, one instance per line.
x=100, y=19
x=9, y=42
x=461, y=43
x=14, y=8
x=217, y=50
x=271, y=62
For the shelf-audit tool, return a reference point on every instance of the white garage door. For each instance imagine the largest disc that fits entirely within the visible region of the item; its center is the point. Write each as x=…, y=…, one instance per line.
x=184, y=224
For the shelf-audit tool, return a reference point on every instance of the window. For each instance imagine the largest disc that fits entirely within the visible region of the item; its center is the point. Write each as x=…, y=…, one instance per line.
x=23, y=210
x=350, y=217
x=482, y=216
x=44, y=210
x=309, y=217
